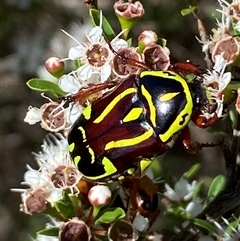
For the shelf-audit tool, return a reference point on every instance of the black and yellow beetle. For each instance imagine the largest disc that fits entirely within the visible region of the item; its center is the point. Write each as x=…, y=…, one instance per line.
x=133, y=123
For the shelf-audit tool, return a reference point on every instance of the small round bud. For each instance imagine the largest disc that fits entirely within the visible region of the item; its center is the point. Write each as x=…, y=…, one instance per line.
x=55, y=66
x=75, y=230
x=99, y=195
x=147, y=37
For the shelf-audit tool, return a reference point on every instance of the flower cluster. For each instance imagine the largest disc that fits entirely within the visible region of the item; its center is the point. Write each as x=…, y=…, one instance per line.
x=126, y=209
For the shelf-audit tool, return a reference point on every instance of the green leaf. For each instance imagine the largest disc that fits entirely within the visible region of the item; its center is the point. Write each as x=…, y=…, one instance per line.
x=49, y=231
x=108, y=32
x=205, y=224
x=65, y=209
x=192, y=171
x=217, y=185
x=45, y=86
x=187, y=11
x=197, y=190
x=111, y=215
x=233, y=225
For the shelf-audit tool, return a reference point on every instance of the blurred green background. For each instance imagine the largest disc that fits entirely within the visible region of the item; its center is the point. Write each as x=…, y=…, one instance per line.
x=30, y=33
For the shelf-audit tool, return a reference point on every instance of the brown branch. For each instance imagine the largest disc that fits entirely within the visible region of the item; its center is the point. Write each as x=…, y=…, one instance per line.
x=91, y=3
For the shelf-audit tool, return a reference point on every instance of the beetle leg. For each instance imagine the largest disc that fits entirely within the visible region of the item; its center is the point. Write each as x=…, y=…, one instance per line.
x=83, y=94
x=193, y=148
x=203, y=122
x=186, y=66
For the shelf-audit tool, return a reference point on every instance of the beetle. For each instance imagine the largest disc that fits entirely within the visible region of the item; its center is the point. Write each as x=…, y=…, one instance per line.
x=133, y=123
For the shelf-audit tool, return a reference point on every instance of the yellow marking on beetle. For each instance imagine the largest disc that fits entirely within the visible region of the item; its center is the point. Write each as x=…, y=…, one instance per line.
x=150, y=104
x=76, y=160
x=71, y=147
x=144, y=164
x=168, y=96
x=83, y=132
x=108, y=167
x=185, y=115
x=87, y=112
x=91, y=152
x=111, y=105
x=131, y=171
x=133, y=114
x=120, y=178
x=129, y=142
x=161, y=74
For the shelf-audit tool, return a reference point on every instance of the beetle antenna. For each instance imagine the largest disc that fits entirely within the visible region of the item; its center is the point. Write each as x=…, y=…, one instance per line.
x=132, y=62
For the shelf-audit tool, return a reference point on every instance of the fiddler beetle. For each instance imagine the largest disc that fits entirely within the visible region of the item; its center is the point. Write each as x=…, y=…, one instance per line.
x=136, y=121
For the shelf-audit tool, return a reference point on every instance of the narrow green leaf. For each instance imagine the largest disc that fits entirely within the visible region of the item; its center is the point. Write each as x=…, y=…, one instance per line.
x=205, y=224
x=49, y=231
x=110, y=215
x=197, y=190
x=192, y=171
x=108, y=32
x=187, y=11
x=45, y=86
x=216, y=186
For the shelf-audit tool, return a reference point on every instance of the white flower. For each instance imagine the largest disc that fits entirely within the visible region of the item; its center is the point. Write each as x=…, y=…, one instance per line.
x=140, y=223
x=45, y=238
x=219, y=79
x=95, y=55
x=53, y=116
x=194, y=208
x=69, y=84
x=183, y=190
x=56, y=172
x=33, y=115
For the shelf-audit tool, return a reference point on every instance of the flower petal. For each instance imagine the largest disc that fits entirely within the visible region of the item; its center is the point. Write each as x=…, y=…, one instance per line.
x=77, y=52
x=85, y=71
x=69, y=84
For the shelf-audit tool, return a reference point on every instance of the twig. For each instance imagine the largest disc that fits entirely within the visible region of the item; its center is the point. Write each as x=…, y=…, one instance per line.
x=91, y=3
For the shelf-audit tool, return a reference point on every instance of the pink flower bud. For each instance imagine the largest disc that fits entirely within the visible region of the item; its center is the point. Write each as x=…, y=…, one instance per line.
x=55, y=66
x=99, y=195
x=147, y=37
